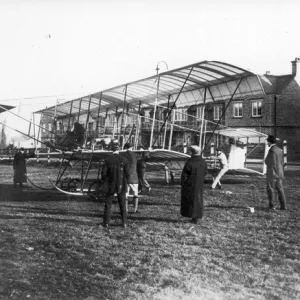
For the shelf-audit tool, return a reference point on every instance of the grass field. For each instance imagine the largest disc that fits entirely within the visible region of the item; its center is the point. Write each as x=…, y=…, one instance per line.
x=54, y=247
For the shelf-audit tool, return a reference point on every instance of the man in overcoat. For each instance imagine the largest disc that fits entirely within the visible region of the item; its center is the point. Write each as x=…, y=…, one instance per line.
x=275, y=174
x=192, y=185
x=133, y=181
x=115, y=173
x=19, y=166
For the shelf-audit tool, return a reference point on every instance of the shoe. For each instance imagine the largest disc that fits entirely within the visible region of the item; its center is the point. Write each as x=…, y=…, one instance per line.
x=124, y=225
x=211, y=188
x=283, y=208
x=105, y=225
x=219, y=187
x=195, y=220
x=149, y=189
x=272, y=208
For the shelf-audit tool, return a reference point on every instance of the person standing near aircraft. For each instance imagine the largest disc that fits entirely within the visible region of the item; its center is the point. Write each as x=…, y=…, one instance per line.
x=115, y=173
x=192, y=186
x=224, y=168
x=275, y=174
x=141, y=170
x=19, y=166
x=132, y=182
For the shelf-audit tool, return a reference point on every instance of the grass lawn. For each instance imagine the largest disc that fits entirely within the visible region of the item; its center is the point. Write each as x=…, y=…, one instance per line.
x=54, y=247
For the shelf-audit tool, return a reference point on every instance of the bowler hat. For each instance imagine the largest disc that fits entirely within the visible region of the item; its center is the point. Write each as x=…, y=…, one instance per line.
x=271, y=139
x=195, y=149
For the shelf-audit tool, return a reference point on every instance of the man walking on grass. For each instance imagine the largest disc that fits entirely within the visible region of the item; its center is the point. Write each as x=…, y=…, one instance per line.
x=275, y=174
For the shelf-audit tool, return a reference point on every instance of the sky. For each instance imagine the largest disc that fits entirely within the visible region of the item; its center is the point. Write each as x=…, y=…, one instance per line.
x=57, y=50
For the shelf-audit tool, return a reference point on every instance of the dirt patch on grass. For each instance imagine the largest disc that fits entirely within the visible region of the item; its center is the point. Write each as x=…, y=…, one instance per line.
x=53, y=247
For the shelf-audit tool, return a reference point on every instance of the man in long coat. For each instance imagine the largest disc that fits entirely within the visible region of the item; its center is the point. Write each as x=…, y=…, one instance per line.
x=115, y=173
x=275, y=174
x=192, y=185
x=132, y=181
x=19, y=166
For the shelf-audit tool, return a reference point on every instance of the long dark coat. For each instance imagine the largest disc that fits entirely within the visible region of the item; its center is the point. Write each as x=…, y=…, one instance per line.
x=192, y=185
x=19, y=165
x=131, y=158
x=115, y=174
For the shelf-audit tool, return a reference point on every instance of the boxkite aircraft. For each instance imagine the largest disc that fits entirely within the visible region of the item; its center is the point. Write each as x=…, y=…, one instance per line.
x=160, y=115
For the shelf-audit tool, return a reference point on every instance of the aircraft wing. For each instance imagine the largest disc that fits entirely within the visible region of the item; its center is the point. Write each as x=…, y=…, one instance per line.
x=156, y=155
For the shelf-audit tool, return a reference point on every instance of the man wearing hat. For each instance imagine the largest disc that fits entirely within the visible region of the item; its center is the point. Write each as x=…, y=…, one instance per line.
x=115, y=173
x=275, y=174
x=133, y=181
x=192, y=186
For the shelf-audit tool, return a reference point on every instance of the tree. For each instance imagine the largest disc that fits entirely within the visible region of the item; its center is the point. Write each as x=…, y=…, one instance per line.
x=3, y=138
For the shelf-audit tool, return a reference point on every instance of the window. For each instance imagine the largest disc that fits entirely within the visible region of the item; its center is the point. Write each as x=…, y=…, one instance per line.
x=199, y=112
x=217, y=112
x=147, y=116
x=180, y=114
x=110, y=120
x=238, y=109
x=256, y=108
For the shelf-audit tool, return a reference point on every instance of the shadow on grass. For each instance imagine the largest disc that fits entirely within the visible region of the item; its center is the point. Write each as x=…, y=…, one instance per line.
x=46, y=219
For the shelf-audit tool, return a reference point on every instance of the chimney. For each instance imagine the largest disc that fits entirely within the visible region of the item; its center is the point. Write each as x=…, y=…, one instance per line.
x=294, y=65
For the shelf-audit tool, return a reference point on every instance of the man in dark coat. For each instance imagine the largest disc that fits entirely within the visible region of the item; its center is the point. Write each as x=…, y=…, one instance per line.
x=133, y=181
x=192, y=185
x=115, y=173
x=275, y=174
x=19, y=165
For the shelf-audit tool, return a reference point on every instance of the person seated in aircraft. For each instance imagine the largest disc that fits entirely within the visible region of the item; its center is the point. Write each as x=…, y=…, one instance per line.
x=75, y=137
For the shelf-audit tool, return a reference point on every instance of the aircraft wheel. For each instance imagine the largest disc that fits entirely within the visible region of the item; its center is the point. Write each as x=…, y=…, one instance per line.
x=96, y=190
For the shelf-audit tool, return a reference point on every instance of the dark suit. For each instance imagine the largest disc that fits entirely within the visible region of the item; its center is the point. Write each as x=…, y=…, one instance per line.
x=115, y=173
x=275, y=174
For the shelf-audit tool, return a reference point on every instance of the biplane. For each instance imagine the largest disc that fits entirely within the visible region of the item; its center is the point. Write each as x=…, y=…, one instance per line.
x=163, y=114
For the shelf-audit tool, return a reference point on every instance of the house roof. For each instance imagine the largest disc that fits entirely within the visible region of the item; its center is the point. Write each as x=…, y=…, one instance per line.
x=202, y=82
x=275, y=84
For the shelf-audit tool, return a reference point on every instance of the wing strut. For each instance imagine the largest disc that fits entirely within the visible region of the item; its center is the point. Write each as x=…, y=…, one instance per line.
x=169, y=112
x=229, y=102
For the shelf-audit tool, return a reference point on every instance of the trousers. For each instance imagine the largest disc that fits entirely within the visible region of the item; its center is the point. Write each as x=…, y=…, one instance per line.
x=219, y=176
x=273, y=185
x=107, y=208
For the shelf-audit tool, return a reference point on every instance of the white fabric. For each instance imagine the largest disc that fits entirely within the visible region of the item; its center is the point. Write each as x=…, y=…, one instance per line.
x=237, y=156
